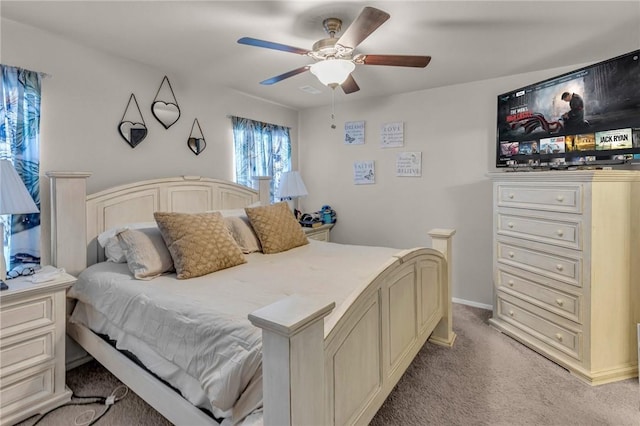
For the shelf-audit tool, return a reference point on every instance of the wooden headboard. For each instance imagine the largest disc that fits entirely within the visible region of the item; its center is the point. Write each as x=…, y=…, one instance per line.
x=77, y=218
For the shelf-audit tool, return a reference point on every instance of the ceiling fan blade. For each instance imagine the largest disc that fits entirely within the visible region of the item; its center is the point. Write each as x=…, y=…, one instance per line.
x=270, y=45
x=281, y=77
x=367, y=22
x=394, y=60
x=350, y=85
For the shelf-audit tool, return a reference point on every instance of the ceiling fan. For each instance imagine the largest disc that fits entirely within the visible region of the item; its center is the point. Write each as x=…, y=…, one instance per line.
x=335, y=59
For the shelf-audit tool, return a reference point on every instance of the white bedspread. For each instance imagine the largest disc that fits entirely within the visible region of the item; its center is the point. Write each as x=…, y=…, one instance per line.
x=195, y=333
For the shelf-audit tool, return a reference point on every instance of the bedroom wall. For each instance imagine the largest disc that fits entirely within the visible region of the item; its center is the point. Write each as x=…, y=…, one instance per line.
x=84, y=100
x=454, y=128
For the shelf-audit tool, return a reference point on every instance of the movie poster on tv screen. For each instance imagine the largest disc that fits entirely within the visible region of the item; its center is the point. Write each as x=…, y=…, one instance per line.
x=614, y=139
x=553, y=145
x=409, y=164
x=354, y=133
x=364, y=172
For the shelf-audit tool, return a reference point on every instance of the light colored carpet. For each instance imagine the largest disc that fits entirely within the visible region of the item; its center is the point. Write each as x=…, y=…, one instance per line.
x=485, y=379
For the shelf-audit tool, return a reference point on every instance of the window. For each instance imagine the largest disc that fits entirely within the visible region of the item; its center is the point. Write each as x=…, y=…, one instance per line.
x=260, y=149
x=20, y=144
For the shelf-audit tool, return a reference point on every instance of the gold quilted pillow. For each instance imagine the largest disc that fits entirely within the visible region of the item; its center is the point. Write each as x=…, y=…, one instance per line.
x=276, y=227
x=199, y=243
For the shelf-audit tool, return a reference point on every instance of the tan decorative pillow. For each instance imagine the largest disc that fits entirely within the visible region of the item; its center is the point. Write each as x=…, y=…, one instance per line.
x=276, y=227
x=145, y=252
x=243, y=233
x=199, y=243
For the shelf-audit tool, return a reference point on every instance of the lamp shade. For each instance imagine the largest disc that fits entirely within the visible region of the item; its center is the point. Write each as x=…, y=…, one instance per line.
x=332, y=72
x=291, y=186
x=14, y=196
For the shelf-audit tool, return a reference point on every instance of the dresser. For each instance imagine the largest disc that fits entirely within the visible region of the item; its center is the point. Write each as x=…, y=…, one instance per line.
x=566, y=267
x=320, y=233
x=32, y=347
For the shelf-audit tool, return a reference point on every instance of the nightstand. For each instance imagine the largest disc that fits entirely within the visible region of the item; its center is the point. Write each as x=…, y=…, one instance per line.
x=320, y=233
x=32, y=347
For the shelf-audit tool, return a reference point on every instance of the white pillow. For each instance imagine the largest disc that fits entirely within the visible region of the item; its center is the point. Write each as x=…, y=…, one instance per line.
x=108, y=240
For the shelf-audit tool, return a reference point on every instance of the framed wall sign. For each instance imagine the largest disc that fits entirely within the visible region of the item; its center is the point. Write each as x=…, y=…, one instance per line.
x=409, y=164
x=364, y=172
x=392, y=134
x=354, y=133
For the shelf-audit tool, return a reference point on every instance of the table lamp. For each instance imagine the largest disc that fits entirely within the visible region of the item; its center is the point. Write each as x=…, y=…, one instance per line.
x=291, y=187
x=14, y=199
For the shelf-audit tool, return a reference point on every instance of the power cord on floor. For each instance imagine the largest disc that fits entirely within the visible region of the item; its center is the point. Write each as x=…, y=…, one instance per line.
x=88, y=417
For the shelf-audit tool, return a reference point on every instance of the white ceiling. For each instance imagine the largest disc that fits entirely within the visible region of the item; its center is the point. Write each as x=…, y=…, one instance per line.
x=468, y=40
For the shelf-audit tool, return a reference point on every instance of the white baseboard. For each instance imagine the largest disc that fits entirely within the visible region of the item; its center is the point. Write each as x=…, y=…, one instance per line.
x=471, y=303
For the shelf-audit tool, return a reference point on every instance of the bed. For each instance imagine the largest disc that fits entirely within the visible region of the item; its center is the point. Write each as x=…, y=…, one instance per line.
x=321, y=361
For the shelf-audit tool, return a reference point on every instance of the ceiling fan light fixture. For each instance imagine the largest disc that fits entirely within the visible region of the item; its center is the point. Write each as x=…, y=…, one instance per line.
x=332, y=72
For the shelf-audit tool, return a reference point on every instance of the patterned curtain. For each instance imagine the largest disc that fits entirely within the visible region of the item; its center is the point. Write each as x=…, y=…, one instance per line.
x=20, y=144
x=261, y=149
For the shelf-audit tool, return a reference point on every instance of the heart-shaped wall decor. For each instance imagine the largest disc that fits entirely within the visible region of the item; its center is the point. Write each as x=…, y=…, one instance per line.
x=197, y=145
x=166, y=113
x=132, y=132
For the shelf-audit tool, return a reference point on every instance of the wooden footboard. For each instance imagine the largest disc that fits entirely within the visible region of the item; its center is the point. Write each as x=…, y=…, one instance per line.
x=345, y=378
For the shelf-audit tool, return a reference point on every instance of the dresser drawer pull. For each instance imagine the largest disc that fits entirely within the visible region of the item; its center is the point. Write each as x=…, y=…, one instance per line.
x=511, y=196
x=510, y=283
x=559, y=337
x=510, y=224
x=511, y=313
x=560, y=232
x=560, y=302
x=511, y=254
x=559, y=267
x=560, y=198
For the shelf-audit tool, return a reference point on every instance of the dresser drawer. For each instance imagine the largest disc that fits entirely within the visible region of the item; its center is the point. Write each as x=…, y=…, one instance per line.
x=22, y=352
x=550, y=231
x=558, y=302
x=557, y=267
x=26, y=315
x=543, y=329
x=541, y=197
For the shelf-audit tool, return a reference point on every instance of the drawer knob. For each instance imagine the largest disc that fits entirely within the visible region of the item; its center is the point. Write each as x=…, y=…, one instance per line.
x=511, y=254
x=511, y=313
x=559, y=267
x=560, y=232
x=559, y=337
x=510, y=283
x=560, y=198
x=511, y=196
x=510, y=224
x=560, y=302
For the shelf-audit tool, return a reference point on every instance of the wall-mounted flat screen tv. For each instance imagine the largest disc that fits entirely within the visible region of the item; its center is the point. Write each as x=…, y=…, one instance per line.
x=589, y=116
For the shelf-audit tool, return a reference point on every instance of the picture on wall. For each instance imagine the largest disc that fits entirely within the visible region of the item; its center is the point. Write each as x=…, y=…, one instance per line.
x=354, y=132
x=392, y=134
x=409, y=164
x=364, y=172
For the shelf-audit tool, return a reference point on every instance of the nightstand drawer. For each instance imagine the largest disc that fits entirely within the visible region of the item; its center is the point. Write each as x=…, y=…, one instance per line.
x=26, y=315
x=22, y=352
x=541, y=197
x=543, y=329
x=26, y=388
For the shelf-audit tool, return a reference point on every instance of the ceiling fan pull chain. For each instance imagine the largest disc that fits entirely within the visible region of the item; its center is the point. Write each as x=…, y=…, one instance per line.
x=333, y=107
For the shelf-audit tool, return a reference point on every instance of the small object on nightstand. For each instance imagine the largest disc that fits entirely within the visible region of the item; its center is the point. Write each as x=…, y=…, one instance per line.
x=3, y=286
